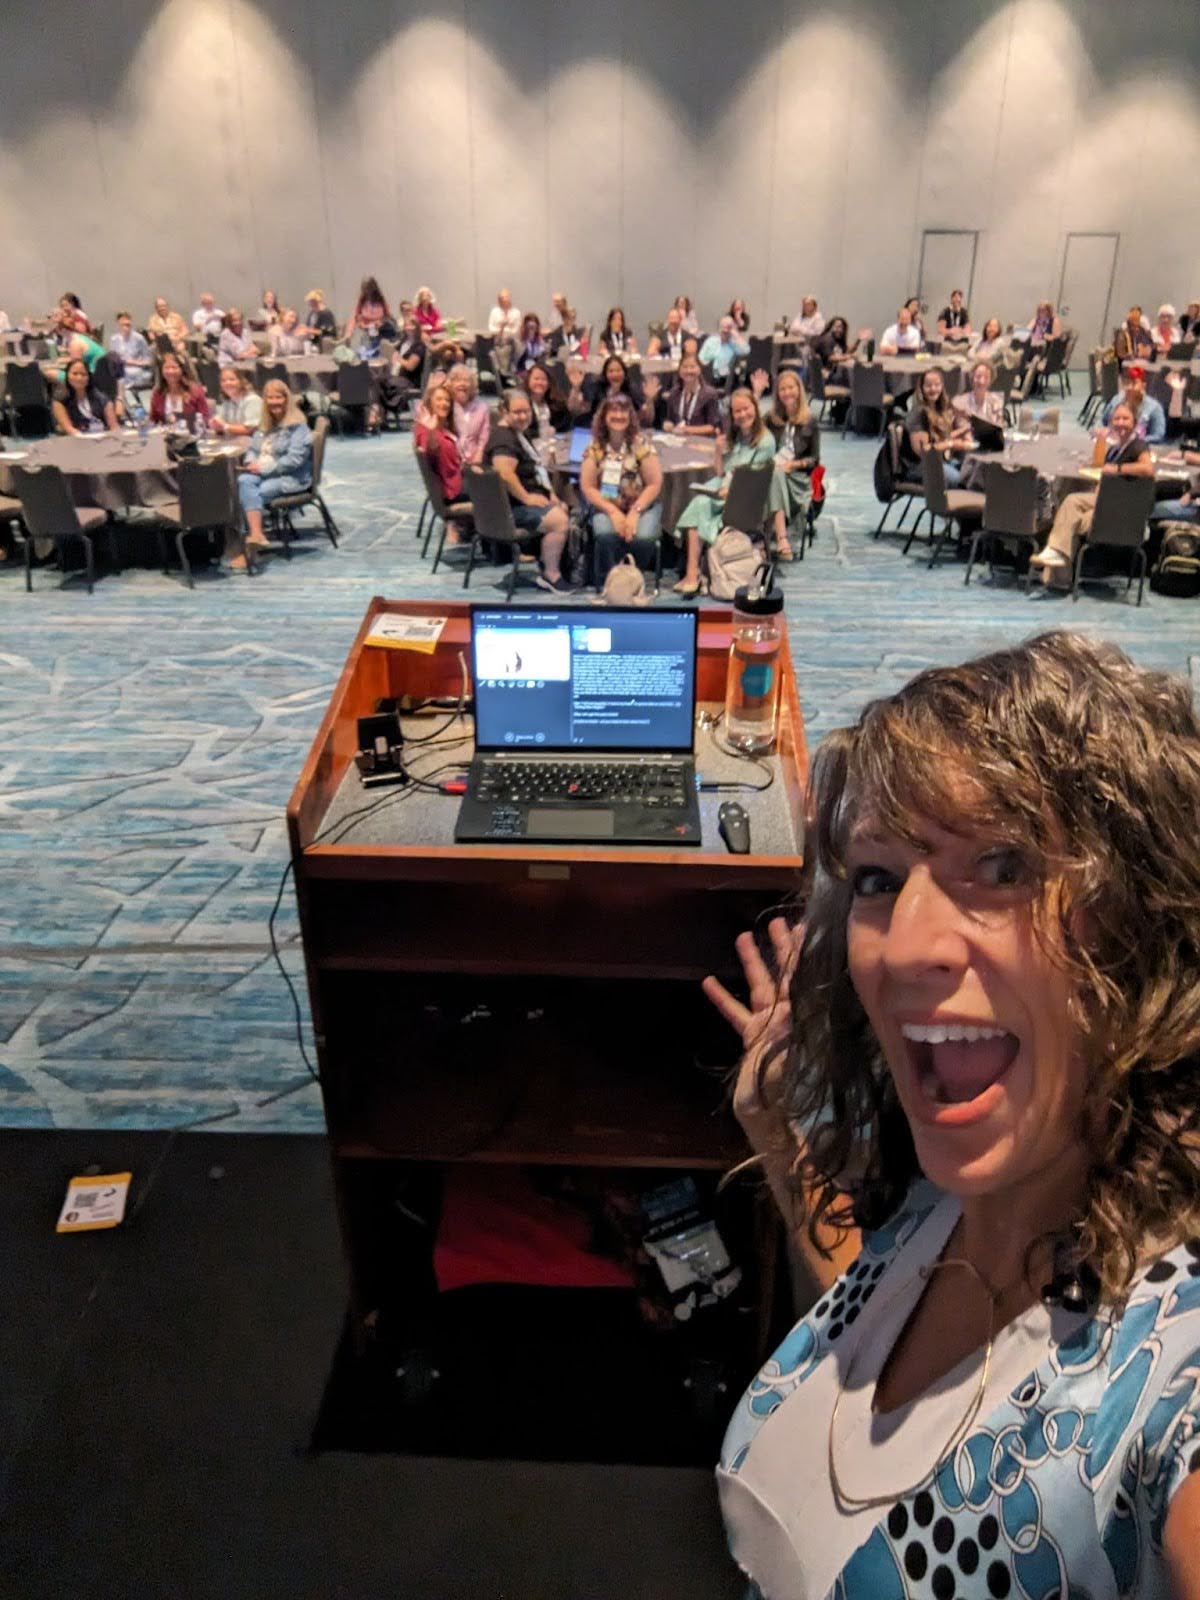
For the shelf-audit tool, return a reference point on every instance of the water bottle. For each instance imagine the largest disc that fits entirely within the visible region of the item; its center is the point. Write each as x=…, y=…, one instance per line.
x=752, y=681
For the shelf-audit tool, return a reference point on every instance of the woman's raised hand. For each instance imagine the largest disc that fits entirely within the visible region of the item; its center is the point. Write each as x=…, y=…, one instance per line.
x=761, y=1023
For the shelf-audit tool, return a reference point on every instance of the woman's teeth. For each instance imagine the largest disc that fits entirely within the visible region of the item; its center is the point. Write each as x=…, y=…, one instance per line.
x=945, y=1032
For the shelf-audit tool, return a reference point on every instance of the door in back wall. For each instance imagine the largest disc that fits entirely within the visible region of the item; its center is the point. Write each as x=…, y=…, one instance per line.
x=1086, y=285
x=947, y=262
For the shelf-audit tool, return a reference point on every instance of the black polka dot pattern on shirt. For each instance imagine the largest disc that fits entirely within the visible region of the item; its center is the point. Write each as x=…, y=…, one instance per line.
x=998, y=1580
x=943, y=1535
x=989, y=1532
x=898, y=1521
x=923, y=1509
x=1160, y=1272
x=915, y=1560
x=943, y=1583
x=968, y=1556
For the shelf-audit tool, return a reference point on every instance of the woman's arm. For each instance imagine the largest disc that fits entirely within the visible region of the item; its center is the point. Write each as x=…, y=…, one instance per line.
x=589, y=487
x=110, y=416
x=296, y=459
x=62, y=418
x=652, y=478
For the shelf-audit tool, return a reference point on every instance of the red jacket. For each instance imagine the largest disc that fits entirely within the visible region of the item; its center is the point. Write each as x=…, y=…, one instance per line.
x=442, y=450
x=195, y=404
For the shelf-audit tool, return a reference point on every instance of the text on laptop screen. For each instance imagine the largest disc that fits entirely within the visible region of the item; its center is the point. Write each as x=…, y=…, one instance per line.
x=562, y=680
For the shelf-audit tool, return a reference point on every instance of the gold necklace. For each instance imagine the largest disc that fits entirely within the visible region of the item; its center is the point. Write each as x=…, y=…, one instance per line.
x=850, y=1502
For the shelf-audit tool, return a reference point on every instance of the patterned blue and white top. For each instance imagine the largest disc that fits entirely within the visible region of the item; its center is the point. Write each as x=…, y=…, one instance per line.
x=1088, y=1426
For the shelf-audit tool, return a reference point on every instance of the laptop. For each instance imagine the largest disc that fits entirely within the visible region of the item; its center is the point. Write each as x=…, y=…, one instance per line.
x=987, y=435
x=580, y=439
x=584, y=727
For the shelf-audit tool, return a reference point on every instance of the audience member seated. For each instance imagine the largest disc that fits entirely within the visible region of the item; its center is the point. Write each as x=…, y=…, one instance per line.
x=82, y=347
x=318, y=317
x=621, y=479
x=739, y=316
x=207, y=320
x=810, y=324
x=749, y=444
x=615, y=338
x=279, y=461
x=569, y=338
x=235, y=343
x=423, y=410
x=1134, y=341
x=288, y=337
x=1127, y=456
x=80, y=408
x=426, y=312
x=914, y=310
x=438, y=442
x=133, y=353
x=535, y=506
x=613, y=378
x=797, y=452
x=578, y=398
x=268, y=314
x=238, y=413
x=1166, y=330
x=669, y=342
x=531, y=343
x=168, y=322
x=1149, y=418
x=993, y=341
x=1187, y=507
x=504, y=320
x=901, y=335
x=933, y=424
x=684, y=306
x=954, y=324
x=550, y=415
x=692, y=406
x=1189, y=322
x=472, y=415
x=178, y=400
x=69, y=316
x=397, y=383
x=370, y=318
x=834, y=344
x=1045, y=325
x=980, y=400
x=721, y=349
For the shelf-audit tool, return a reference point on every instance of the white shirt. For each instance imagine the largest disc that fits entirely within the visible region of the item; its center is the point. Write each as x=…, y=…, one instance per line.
x=504, y=324
x=808, y=327
x=784, y=1522
x=205, y=321
x=902, y=338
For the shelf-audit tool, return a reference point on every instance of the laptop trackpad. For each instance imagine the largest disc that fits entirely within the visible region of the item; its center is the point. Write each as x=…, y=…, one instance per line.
x=570, y=822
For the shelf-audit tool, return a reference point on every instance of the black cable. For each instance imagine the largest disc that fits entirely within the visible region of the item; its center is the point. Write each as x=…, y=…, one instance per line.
x=738, y=755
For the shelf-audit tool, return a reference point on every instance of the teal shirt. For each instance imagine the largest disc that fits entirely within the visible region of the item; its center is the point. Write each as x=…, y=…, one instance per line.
x=91, y=355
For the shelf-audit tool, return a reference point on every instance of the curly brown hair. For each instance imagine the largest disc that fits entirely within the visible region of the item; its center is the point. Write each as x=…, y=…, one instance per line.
x=1091, y=766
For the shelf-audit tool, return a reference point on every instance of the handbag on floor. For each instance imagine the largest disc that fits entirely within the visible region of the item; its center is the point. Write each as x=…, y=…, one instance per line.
x=732, y=563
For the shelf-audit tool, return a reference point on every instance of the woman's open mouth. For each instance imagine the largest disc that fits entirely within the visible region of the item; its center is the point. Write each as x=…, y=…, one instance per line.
x=958, y=1068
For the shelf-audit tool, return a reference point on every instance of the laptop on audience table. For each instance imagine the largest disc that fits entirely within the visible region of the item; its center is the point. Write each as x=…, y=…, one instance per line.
x=580, y=439
x=584, y=727
x=987, y=435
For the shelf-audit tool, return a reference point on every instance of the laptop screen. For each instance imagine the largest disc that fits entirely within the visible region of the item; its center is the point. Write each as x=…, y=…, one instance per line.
x=580, y=439
x=567, y=680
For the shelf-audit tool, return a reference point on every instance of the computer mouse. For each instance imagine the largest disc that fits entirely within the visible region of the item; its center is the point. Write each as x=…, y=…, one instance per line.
x=735, y=828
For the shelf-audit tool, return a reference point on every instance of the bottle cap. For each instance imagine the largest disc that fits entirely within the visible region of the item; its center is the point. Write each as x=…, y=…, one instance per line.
x=756, y=602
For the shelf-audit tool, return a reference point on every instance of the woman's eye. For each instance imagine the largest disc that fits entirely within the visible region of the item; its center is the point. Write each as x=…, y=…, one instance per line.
x=1002, y=869
x=870, y=881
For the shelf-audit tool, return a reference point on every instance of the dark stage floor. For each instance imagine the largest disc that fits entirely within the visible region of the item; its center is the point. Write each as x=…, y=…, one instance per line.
x=160, y=1386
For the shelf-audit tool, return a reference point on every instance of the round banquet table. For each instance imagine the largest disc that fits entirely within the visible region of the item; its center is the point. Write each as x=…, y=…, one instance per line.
x=310, y=371
x=1063, y=465
x=115, y=471
x=685, y=462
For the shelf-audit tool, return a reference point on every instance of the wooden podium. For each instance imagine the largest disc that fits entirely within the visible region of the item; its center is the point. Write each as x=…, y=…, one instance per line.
x=597, y=1048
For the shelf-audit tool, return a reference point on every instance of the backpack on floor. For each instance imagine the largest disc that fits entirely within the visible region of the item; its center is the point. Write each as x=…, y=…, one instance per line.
x=1177, y=570
x=732, y=563
x=624, y=586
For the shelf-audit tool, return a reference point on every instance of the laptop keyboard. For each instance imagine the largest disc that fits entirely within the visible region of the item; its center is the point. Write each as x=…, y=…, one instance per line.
x=647, y=783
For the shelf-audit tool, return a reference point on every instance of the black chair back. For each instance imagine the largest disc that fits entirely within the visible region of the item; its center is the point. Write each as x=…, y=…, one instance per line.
x=1010, y=499
x=952, y=379
x=485, y=357
x=209, y=374
x=933, y=481
x=867, y=386
x=24, y=384
x=354, y=383
x=1183, y=351
x=1110, y=379
x=162, y=343
x=1055, y=358
x=1123, y=507
x=264, y=371
x=493, y=513
x=1158, y=387
x=814, y=379
x=432, y=483
x=105, y=377
x=761, y=357
x=320, y=433
x=746, y=503
x=46, y=503
x=1004, y=379
x=208, y=494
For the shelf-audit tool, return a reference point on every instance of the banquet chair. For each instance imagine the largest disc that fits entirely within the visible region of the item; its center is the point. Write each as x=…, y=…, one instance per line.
x=820, y=392
x=264, y=371
x=208, y=501
x=745, y=505
x=208, y=373
x=816, y=504
x=354, y=394
x=1119, y=522
x=1088, y=409
x=26, y=400
x=49, y=513
x=494, y=521
x=1010, y=514
x=904, y=492
x=106, y=377
x=763, y=355
x=279, y=512
x=485, y=362
x=868, y=392
x=440, y=512
x=163, y=345
x=942, y=505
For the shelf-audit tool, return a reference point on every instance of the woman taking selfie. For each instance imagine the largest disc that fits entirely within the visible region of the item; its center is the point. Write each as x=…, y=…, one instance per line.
x=980, y=1084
